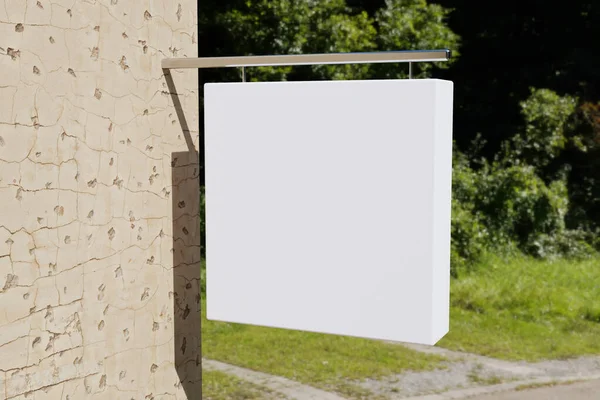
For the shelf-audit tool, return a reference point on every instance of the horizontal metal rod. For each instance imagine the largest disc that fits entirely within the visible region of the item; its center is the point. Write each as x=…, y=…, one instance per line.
x=308, y=59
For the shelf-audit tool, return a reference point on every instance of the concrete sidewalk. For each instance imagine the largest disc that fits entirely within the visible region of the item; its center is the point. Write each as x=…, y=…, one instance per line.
x=577, y=391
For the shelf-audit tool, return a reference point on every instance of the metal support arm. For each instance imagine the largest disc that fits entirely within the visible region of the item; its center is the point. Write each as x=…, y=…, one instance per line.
x=308, y=59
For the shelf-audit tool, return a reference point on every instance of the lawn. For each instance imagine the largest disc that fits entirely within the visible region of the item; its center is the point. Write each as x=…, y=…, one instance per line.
x=220, y=386
x=329, y=362
x=527, y=309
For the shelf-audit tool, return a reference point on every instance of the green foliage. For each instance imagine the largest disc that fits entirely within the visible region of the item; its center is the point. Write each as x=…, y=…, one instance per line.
x=329, y=26
x=344, y=33
x=570, y=244
x=469, y=235
x=300, y=27
x=517, y=204
x=546, y=116
x=502, y=207
x=499, y=207
x=469, y=239
x=413, y=25
x=511, y=202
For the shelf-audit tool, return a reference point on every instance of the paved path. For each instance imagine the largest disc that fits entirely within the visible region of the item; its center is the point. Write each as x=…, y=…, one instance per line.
x=517, y=390
x=576, y=391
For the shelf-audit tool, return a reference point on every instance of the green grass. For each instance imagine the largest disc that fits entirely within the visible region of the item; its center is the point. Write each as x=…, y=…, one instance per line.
x=329, y=362
x=527, y=309
x=220, y=386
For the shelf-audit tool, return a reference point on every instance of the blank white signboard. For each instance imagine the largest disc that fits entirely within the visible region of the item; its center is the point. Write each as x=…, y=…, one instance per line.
x=328, y=206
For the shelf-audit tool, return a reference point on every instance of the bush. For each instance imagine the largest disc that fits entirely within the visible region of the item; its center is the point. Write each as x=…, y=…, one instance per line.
x=517, y=205
x=570, y=244
x=469, y=237
x=545, y=133
x=503, y=207
x=596, y=241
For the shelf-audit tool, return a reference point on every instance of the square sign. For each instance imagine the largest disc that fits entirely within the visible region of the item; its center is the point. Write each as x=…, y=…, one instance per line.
x=328, y=206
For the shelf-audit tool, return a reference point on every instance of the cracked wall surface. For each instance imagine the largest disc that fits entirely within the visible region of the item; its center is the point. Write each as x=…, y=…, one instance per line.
x=99, y=227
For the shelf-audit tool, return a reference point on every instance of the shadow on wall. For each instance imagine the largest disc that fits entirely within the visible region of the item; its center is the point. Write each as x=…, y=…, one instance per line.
x=186, y=258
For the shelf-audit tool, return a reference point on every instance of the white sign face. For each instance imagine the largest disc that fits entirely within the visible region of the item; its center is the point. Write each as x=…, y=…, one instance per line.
x=328, y=206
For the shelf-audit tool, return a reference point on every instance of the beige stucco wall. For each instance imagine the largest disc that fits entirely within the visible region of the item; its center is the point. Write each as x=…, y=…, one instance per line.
x=99, y=235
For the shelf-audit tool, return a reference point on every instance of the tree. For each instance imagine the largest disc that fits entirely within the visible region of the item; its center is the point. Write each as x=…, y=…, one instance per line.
x=510, y=46
x=413, y=25
x=545, y=132
x=262, y=27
